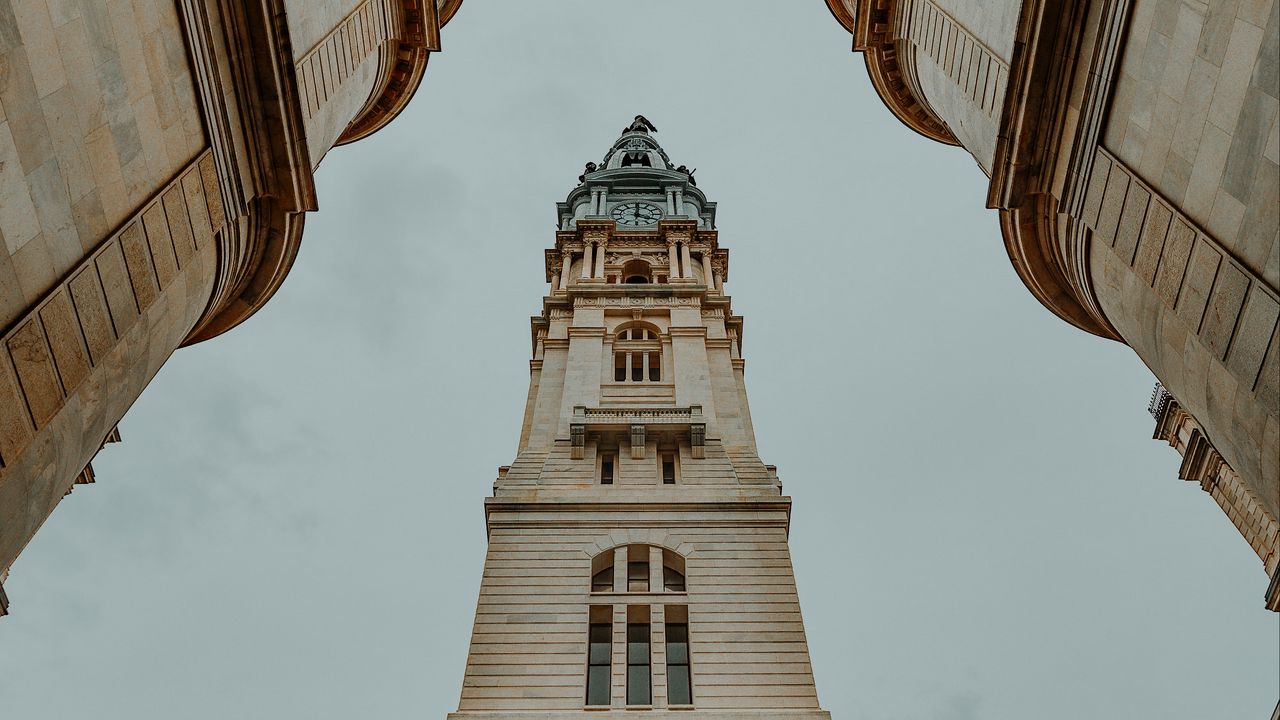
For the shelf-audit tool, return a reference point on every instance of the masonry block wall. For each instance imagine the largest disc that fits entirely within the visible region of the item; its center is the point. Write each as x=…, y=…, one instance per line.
x=156, y=159
x=1133, y=154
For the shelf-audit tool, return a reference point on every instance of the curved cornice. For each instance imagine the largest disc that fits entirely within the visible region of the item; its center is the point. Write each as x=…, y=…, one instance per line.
x=843, y=12
x=276, y=235
x=895, y=93
x=1038, y=239
x=447, y=9
x=874, y=38
x=400, y=72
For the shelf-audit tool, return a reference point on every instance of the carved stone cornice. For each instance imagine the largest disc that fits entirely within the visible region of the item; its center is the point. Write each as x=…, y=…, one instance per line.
x=844, y=12
x=873, y=37
x=401, y=66
x=1046, y=241
x=595, y=231
x=1204, y=465
x=242, y=62
x=1035, y=237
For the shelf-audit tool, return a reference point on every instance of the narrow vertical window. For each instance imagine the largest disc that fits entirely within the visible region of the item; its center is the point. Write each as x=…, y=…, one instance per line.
x=655, y=367
x=668, y=470
x=679, y=684
x=639, y=691
x=599, y=661
x=620, y=367
x=606, y=470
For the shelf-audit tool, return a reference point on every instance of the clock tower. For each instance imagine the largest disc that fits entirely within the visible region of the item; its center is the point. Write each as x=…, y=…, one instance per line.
x=638, y=561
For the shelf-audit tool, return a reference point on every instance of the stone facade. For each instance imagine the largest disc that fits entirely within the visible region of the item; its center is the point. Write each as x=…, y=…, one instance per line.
x=638, y=554
x=1133, y=154
x=156, y=160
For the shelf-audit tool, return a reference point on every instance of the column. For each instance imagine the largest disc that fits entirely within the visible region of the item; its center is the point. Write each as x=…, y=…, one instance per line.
x=686, y=261
x=600, y=261
x=707, y=275
x=555, y=282
x=680, y=201
x=671, y=201
x=644, y=366
x=719, y=282
x=595, y=201
x=586, y=261
x=673, y=271
x=620, y=569
x=566, y=262
x=655, y=569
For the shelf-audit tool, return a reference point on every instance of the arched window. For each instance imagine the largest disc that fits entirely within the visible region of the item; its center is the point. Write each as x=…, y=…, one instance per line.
x=637, y=354
x=639, y=563
x=640, y=576
x=636, y=272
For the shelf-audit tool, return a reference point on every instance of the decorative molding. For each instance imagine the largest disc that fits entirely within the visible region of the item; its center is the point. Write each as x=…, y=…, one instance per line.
x=259, y=159
x=1167, y=251
x=844, y=12
x=1201, y=463
x=1047, y=244
x=631, y=301
x=49, y=351
x=976, y=69
x=871, y=36
x=402, y=65
x=326, y=66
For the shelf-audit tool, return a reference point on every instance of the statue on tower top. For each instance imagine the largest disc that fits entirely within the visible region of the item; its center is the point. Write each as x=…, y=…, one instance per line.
x=640, y=124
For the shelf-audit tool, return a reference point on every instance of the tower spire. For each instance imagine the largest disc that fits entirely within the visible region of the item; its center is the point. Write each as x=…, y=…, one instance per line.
x=638, y=555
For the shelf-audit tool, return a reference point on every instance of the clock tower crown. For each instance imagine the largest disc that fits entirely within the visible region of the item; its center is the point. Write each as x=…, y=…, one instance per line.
x=636, y=185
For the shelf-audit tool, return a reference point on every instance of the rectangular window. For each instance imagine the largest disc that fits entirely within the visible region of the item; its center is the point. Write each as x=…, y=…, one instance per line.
x=679, y=682
x=606, y=470
x=637, y=367
x=639, y=691
x=638, y=575
x=619, y=367
x=668, y=470
x=655, y=367
x=599, y=662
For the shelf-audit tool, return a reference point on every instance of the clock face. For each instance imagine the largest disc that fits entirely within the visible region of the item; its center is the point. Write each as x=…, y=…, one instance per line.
x=636, y=213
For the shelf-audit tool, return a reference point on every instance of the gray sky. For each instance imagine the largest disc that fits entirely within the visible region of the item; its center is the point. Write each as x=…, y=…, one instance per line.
x=983, y=528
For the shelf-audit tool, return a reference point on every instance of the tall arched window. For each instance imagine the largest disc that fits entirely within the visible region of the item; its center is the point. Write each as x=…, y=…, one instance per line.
x=637, y=354
x=631, y=574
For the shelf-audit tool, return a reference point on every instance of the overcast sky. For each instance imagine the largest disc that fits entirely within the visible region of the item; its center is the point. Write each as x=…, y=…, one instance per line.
x=983, y=528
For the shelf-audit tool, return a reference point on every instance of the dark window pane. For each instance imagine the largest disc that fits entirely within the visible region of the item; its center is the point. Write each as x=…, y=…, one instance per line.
x=677, y=653
x=638, y=652
x=637, y=369
x=673, y=581
x=599, y=653
x=679, y=689
x=638, y=577
x=599, y=662
x=606, y=472
x=602, y=582
x=668, y=472
x=598, y=685
x=638, y=685
x=677, y=632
